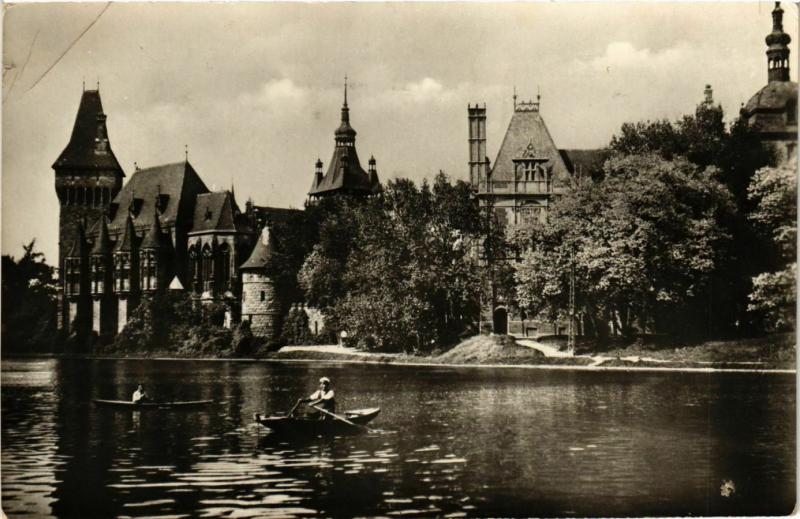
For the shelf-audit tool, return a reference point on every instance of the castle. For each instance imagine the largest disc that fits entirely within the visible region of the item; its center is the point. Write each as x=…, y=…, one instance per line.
x=165, y=230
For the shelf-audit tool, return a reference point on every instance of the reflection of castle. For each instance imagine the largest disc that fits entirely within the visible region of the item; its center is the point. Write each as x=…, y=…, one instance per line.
x=529, y=171
x=164, y=229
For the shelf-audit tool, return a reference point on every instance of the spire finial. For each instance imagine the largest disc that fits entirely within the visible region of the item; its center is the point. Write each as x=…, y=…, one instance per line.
x=538, y=94
x=186, y=152
x=135, y=166
x=84, y=83
x=345, y=90
x=515, y=97
x=98, y=83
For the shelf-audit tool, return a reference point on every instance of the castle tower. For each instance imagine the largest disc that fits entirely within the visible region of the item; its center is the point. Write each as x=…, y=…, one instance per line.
x=126, y=273
x=77, y=301
x=104, y=313
x=154, y=258
x=88, y=176
x=478, y=163
x=778, y=48
x=260, y=305
x=772, y=111
x=345, y=174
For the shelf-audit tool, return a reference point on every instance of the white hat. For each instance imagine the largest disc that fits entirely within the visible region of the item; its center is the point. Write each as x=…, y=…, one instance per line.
x=324, y=380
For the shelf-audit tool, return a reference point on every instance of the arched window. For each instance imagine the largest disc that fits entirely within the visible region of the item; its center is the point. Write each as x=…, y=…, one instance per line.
x=225, y=265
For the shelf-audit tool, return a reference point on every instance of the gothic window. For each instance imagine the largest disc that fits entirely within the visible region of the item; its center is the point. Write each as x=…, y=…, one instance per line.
x=529, y=171
x=225, y=255
x=263, y=295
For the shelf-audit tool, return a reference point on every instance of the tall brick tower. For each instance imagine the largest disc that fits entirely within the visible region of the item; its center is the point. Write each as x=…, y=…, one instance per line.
x=88, y=175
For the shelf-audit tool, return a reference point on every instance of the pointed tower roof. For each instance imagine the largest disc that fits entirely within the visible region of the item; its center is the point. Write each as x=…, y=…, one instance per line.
x=89, y=146
x=102, y=244
x=261, y=252
x=527, y=137
x=155, y=239
x=127, y=242
x=345, y=173
x=77, y=245
x=773, y=109
x=175, y=284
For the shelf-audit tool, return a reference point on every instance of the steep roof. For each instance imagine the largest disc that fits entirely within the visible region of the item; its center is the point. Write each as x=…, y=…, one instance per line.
x=103, y=245
x=261, y=252
x=155, y=239
x=584, y=162
x=344, y=173
x=216, y=212
x=177, y=184
x=344, y=169
x=769, y=108
x=527, y=135
x=127, y=242
x=77, y=244
x=89, y=146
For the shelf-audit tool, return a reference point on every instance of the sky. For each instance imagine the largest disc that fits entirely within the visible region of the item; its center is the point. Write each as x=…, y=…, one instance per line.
x=255, y=90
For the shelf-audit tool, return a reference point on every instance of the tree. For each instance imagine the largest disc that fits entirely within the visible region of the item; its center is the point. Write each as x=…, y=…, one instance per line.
x=773, y=193
x=29, y=302
x=397, y=271
x=643, y=243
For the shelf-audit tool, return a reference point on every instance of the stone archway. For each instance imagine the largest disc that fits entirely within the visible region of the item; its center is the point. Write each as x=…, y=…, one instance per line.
x=500, y=321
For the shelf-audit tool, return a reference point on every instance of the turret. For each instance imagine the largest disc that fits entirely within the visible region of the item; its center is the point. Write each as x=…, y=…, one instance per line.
x=87, y=177
x=104, y=312
x=478, y=163
x=778, y=48
x=126, y=273
x=153, y=257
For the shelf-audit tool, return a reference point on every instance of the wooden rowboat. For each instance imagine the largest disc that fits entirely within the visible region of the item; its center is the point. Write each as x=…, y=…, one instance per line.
x=151, y=405
x=297, y=425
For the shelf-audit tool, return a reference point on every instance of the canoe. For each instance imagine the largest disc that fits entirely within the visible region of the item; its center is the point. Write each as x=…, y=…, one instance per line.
x=151, y=405
x=298, y=425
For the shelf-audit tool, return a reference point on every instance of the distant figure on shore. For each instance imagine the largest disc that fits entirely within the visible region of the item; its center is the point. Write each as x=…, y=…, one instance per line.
x=139, y=395
x=323, y=398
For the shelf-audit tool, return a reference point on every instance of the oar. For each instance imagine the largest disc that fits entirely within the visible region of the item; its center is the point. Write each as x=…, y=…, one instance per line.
x=296, y=405
x=345, y=420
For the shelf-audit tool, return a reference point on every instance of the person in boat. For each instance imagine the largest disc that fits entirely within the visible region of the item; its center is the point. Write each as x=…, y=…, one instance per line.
x=139, y=395
x=323, y=398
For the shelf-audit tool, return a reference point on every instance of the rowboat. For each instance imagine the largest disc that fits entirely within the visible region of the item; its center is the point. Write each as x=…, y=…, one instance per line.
x=298, y=425
x=151, y=405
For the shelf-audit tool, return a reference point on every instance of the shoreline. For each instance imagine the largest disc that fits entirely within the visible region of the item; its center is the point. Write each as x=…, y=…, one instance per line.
x=399, y=362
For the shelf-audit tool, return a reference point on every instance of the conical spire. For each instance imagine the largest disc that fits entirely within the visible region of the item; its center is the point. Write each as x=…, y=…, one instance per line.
x=345, y=134
x=77, y=244
x=103, y=243
x=778, y=48
x=261, y=252
x=154, y=239
x=127, y=242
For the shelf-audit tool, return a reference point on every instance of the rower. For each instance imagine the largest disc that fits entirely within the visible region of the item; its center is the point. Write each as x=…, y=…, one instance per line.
x=139, y=395
x=323, y=397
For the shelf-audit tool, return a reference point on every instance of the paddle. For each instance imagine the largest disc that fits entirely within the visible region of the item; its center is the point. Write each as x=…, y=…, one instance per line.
x=343, y=419
x=296, y=405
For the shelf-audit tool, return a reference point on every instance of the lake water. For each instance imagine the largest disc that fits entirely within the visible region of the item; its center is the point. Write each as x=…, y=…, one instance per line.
x=454, y=442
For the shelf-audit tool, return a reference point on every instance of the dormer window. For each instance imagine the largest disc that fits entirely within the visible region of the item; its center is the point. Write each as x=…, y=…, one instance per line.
x=207, y=216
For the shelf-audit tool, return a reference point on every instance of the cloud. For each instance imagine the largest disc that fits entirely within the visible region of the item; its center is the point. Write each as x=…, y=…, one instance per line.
x=425, y=90
x=623, y=55
x=276, y=92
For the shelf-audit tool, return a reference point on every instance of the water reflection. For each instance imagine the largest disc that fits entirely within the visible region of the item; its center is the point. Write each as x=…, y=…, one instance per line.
x=465, y=442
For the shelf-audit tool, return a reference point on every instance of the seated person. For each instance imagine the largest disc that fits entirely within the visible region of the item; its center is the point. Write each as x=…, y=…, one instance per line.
x=139, y=395
x=323, y=398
